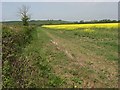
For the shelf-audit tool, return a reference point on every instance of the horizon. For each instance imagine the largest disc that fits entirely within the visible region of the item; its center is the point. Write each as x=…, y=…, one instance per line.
x=55, y=20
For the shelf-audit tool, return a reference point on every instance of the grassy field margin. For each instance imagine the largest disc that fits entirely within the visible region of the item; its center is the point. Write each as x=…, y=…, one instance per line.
x=14, y=39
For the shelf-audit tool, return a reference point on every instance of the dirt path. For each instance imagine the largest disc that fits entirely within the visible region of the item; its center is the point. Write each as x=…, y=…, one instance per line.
x=93, y=71
x=59, y=46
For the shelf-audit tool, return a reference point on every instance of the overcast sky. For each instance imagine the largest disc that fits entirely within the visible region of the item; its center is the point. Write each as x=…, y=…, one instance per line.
x=71, y=11
x=60, y=0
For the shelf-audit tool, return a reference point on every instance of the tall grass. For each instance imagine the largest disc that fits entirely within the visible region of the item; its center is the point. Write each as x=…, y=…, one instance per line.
x=14, y=38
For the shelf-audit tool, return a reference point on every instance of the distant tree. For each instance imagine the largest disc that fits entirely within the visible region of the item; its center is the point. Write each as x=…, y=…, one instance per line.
x=105, y=21
x=114, y=21
x=59, y=20
x=25, y=17
x=94, y=21
x=76, y=22
x=82, y=21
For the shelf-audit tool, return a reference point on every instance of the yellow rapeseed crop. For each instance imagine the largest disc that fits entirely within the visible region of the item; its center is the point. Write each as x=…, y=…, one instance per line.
x=83, y=26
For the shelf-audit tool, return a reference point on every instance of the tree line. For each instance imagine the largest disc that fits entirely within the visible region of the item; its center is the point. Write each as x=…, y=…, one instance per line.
x=98, y=21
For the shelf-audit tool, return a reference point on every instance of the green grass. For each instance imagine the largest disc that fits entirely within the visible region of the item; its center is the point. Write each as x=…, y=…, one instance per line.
x=105, y=39
x=12, y=44
x=37, y=55
x=78, y=59
x=99, y=49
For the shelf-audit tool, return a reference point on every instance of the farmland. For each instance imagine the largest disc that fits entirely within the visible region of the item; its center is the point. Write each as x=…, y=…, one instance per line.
x=83, y=26
x=69, y=55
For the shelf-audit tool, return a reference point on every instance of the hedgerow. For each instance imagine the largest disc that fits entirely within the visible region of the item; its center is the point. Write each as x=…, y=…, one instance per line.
x=14, y=39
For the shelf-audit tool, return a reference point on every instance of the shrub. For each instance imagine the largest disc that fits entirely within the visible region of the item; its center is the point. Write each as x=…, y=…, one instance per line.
x=13, y=40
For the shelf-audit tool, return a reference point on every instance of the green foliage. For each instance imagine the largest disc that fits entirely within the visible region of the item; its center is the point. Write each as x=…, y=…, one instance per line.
x=41, y=64
x=77, y=80
x=55, y=81
x=13, y=40
x=25, y=20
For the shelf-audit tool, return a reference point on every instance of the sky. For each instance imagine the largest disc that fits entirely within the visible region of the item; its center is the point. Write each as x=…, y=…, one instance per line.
x=70, y=11
x=60, y=0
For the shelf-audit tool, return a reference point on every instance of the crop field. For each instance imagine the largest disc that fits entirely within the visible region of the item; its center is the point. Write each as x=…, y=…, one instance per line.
x=69, y=56
x=92, y=52
x=83, y=26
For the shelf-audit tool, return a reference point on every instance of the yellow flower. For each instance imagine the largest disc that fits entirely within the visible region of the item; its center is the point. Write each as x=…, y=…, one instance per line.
x=75, y=86
x=83, y=26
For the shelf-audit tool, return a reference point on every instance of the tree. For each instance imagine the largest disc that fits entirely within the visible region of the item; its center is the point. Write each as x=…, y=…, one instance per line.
x=25, y=17
x=82, y=21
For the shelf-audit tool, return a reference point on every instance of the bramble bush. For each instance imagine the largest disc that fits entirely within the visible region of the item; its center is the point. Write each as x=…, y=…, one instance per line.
x=14, y=38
